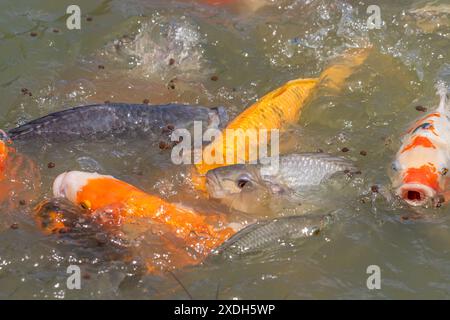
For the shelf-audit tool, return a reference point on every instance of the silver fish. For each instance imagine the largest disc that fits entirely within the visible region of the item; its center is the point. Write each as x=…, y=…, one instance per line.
x=245, y=186
x=117, y=119
x=265, y=233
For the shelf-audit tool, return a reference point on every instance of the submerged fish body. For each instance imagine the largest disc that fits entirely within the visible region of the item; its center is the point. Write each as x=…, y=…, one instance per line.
x=100, y=120
x=422, y=163
x=262, y=234
x=294, y=173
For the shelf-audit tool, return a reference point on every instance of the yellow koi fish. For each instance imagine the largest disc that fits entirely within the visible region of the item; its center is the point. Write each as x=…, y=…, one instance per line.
x=275, y=110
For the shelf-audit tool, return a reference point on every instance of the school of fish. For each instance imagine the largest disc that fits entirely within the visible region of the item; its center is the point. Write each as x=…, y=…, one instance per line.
x=420, y=167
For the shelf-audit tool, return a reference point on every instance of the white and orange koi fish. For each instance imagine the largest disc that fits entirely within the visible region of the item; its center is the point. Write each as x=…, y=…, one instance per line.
x=423, y=161
x=124, y=204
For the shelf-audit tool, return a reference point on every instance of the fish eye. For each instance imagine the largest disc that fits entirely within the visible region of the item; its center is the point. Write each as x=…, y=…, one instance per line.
x=394, y=166
x=242, y=182
x=86, y=205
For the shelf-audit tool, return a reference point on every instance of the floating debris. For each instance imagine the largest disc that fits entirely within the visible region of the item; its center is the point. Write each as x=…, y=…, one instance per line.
x=421, y=108
x=164, y=145
x=171, y=84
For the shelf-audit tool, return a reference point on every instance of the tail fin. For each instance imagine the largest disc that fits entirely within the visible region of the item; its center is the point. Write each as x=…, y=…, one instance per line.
x=442, y=93
x=334, y=76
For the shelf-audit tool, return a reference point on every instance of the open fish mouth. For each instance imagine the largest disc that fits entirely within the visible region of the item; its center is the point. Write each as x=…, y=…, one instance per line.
x=416, y=194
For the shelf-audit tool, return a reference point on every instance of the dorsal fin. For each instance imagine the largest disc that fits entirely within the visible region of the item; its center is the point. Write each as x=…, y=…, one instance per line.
x=442, y=92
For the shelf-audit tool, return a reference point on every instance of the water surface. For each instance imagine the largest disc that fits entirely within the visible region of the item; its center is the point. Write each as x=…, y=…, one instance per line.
x=188, y=52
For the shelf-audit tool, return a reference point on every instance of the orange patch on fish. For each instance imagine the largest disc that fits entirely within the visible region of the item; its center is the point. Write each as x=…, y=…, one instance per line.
x=4, y=151
x=19, y=175
x=273, y=111
x=426, y=175
x=419, y=141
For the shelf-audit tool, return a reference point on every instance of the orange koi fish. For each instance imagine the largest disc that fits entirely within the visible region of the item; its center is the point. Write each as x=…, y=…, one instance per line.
x=275, y=110
x=103, y=193
x=422, y=163
x=19, y=176
x=4, y=151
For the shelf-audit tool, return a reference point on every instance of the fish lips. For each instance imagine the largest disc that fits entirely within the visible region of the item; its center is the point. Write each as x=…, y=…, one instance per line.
x=416, y=194
x=213, y=186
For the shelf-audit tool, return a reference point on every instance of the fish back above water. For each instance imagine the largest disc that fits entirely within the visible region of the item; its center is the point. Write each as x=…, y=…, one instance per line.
x=101, y=120
x=290, y=177
x=262, y=234
x=273, y=111
x=304, y=169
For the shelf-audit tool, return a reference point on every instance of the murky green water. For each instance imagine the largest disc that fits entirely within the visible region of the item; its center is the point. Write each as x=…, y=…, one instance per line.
x=227, y=57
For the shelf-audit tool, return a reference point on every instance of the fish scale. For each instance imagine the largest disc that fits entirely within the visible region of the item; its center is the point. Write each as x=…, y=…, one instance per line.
x=261, y=234
x=297, y=170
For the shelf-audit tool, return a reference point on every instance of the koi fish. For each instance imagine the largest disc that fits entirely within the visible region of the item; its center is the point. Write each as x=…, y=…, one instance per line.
x=4, y=151
x=275, y=110
x=422, y=163
x=115, y=202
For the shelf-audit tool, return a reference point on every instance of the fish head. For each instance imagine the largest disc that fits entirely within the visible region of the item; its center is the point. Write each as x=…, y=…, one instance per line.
x=239, y=186
x=69, y=184
x=419, y=174
x=230, y=180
